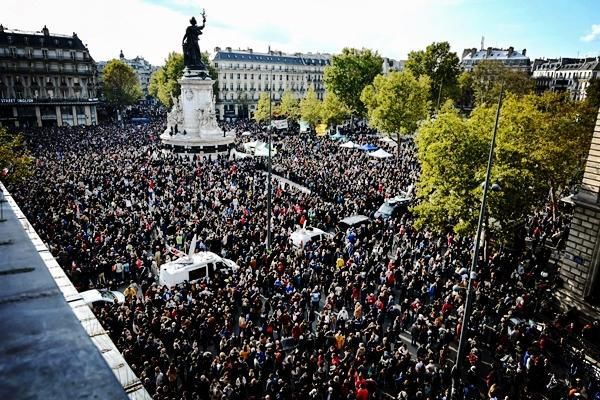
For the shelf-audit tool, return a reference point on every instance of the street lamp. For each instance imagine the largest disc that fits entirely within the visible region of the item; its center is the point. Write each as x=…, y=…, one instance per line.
x=457, y=392
x=269, y=188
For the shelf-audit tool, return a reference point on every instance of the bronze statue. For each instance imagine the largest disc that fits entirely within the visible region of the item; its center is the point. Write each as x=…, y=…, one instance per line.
x=192, y=58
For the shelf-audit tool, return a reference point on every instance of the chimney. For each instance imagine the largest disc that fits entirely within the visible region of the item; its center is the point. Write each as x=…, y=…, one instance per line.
x=269, y=50
x=121, y=55
x=74, y=35
x=524, y=52
x=45, y=31
x=228, y=49
x=250, y=50
x=1, y=28
x=511, y=50
x=489, y=51
x=217, y=49
x=474, y=51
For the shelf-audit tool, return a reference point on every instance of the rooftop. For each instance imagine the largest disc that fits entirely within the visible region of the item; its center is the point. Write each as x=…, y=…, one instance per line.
x=43, y=38
x=47, y=352
x=275, y=57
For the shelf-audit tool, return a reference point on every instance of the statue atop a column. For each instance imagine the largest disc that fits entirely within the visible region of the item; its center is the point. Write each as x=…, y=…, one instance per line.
x=192, y=58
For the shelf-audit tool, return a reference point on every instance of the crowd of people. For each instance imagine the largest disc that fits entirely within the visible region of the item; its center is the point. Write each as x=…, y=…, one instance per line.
x=371, y=312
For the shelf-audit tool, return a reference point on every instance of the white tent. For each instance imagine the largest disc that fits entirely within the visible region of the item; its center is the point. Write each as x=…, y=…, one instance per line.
x=262, y=150
x=389, y=141
x=380, y=154
x=246, y=133
x=349, y=145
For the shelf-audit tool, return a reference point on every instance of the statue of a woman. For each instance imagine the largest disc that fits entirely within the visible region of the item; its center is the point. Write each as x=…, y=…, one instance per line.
x=192, y=58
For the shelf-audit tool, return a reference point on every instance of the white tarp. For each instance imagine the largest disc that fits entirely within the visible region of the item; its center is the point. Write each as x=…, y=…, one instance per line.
x=304, y=126
x=380, y=154
x=349, y=145
x=389, y=141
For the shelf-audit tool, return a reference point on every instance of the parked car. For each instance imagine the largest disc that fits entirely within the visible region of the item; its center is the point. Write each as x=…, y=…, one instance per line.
x=308, y=234
x=96, y=297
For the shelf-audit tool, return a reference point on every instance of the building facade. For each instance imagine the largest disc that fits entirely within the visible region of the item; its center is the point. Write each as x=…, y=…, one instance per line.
x=390, y=65
x=142, y=68
x=244, y=74
x=45, y=80
x=508, y=57
x=572, y=75
x=580, y=262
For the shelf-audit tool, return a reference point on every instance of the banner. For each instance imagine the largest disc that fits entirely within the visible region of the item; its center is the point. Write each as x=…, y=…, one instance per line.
x=321, y=129
x=304, y=126
x=280, y=124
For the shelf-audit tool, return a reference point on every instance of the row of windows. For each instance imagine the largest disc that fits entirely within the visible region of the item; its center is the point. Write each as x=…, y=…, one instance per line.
x=568, y=75
x=260, y=87
x=273, y=77
x=268, y=67
x=29, y=52
x=252, y=96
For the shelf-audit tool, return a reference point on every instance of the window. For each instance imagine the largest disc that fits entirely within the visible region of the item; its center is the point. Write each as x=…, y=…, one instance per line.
x=251, y=76
x=245, y=76
x=216, y=64
x=238, y=76
x=45, y=53
x=231, y=76
x=198, y=273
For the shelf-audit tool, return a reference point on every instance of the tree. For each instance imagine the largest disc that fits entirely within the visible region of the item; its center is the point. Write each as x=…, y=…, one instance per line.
x=540, y=149
x=488, y=77
x=333, y=111
x=397, y=102
x=348, y=75
x=310, y=108
x=15, y=162
x=442, y=67
x=289, y=106
x=164, y=82
x=120, y=83
x=592, y=93
x=262, y=113
x=466, y=97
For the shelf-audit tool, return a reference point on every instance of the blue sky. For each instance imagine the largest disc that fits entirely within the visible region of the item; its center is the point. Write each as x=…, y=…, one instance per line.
x=153, y=28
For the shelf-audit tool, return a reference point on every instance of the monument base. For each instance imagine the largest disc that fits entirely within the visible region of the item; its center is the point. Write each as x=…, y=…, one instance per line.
x=192, y=126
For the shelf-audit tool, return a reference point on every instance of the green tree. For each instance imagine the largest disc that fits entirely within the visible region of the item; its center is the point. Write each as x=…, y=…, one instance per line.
x=397, y=102
x=441, y=65
x=349, y=73
x=488, y=77
x=262, y=113
x=333, y=111
x=310, y=108
x=289, y=105
x=592, y=93
x=540, y=148
x=164, y=82
x=466, y=97
x=121, y=85
x=15, y=162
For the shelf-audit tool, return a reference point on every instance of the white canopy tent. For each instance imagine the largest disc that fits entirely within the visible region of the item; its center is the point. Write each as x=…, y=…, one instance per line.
x=389, y=141
x=380, y=154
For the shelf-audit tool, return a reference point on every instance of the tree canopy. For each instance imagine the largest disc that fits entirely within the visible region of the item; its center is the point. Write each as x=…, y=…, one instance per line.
x=441, y=65
x=349, y=73
x=262, y=113
x=333, y=111
x=289, y=106
x=397, y=102
x=15, y=162
x=311, y=107
x=487, y=78
x=164, y=82
x=540, y=149
x=120, y=84
x=592, y=93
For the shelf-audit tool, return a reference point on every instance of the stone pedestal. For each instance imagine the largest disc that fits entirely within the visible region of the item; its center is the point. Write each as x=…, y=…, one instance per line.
x=191, y=124
x=579, y=266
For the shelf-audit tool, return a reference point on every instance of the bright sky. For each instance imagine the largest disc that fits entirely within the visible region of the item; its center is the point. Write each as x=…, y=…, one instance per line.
x=153, y=28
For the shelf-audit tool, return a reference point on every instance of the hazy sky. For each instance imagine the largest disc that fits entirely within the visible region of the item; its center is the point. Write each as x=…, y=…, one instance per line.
x=153, y=28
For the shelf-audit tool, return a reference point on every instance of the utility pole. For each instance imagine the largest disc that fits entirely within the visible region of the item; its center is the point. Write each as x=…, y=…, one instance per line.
x=457, y=389
x=269, y=188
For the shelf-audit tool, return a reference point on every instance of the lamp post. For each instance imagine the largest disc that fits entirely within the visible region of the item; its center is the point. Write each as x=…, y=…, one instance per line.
x=457, y=392
x=269, y=188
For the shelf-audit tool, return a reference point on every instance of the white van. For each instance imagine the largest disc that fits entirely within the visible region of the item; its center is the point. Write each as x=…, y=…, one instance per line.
x=197, y=266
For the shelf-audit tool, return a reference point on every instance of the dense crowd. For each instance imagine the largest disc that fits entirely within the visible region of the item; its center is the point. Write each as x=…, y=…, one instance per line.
x=372, y=312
